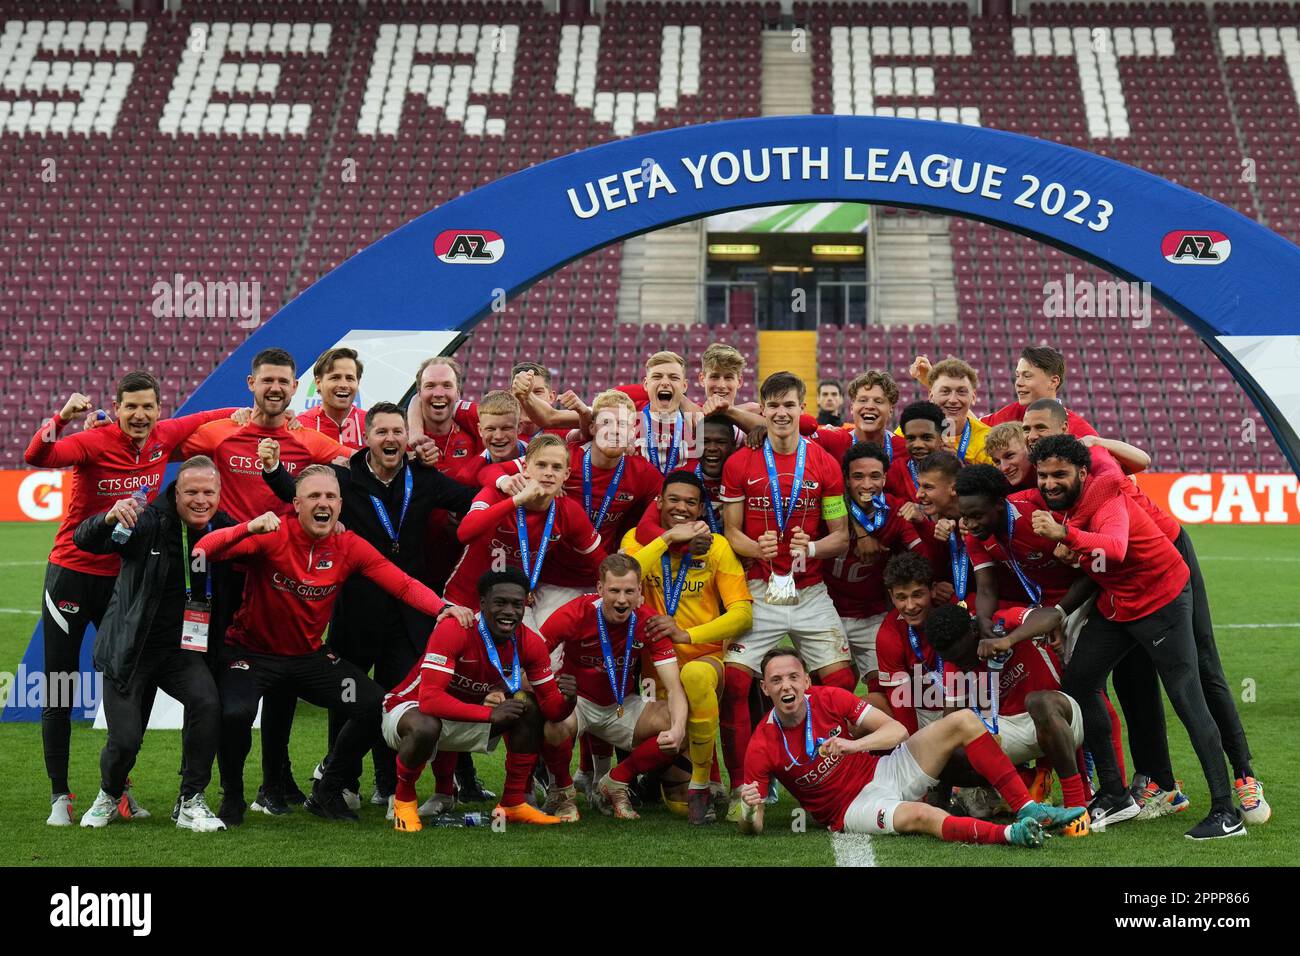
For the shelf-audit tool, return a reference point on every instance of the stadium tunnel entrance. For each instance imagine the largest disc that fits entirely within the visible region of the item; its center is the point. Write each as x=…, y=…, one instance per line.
x=420, y=289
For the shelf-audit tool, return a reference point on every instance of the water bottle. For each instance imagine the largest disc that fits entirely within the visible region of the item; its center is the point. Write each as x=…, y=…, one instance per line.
x=121, y=533
x=471, y=819
x=997, y=661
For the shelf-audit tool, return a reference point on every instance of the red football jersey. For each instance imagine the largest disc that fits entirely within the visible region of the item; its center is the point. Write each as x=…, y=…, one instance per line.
x=1032, y=666
x=745, y=480
x=106, y=466
x=455, y=674
x=244, y=493
x=1033, y=553
x=899, y=480
x=352, y=432
x=895, y=659
x=574, y=626
x=824, y=786
x=293, y=580
x=837, y=442
x=857, y=589
x=490, y=535
x=1105, y=464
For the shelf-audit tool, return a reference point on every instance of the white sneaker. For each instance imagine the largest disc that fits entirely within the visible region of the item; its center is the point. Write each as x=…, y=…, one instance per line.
x=101, y=813
x=61, y=811
x=196, y=815
x=128, y=808
x=388, y=814
x=352, y=799
x=379, y=800
x=583, y=783
x=1254, y=808
x=735, y=807
x=319, y=772
x=436, y=804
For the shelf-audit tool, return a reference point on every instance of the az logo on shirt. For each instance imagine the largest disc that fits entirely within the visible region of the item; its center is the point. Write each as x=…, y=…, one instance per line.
x=460, y=453
x=157, y=453
x=324, y=565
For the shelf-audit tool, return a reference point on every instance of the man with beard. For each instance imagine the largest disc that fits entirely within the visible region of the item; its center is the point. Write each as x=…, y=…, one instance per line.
x=468, y=692
x=295, y=570
x=337, y=375
x=602, y=637
x=702, y=604
x=1154, y=786
x=244, y=496
x=830, y=403
x=107, y=463
x=1145, y=605
x=386, y=502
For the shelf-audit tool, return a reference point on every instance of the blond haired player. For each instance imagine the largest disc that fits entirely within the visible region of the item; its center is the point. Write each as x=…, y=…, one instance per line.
x=694, y=579
x=498, y=429
x=954, y=385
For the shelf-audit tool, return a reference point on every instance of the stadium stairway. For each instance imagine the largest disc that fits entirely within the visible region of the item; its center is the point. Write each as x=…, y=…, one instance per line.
x=789, y=352
x=787, y=75
x=914, y=268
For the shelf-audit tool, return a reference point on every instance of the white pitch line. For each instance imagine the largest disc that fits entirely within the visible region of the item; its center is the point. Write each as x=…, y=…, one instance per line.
x=1243, y=557
x=21, y=564
x=853, y=849
x=1254, y=626
x=18, y=610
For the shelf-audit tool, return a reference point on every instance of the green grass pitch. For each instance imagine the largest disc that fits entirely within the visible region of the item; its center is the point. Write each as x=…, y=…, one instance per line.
x=1250, y=574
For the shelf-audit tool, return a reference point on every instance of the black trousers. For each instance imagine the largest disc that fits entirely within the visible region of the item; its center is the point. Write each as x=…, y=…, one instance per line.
x=383, y=634
x=1138, y=689
x=1165, y=636
x=322, y=678
x=72, y=601
x=184, y=675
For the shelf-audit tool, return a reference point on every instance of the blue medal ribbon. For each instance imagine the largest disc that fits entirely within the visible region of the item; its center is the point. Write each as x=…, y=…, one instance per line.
x=935, y=675
x=959, y=563
x=520, y=445
x=516, y=673
x=599, y=518
x=964, y=443
x=607, y=654
x=878, y=516
x=185, y=564
x=915, y=473
x=809, y=744
x=673, y=586
x=652, y=445
x=709, y=512
x=783, y=512
x=521, y=524
x=1033, y=590
x=382, y=511
x=888, y=446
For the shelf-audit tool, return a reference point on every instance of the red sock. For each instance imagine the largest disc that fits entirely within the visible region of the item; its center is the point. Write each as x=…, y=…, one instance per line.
x=873, y=686
x=599, y=748
x=444, y=772
x=841, y=678
x=406, y=778
x=584, y=753
x=645, y=758
x=1072, y=792
x=715, y=775
x=1116, y=738
x=519, y=768
x=970, y=830
x=736, y=730
x=558, y=758
x=992, y=764
x=1026, y=775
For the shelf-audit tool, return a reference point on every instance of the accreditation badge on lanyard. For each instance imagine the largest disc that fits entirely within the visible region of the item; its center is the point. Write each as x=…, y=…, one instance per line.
x=198, y=614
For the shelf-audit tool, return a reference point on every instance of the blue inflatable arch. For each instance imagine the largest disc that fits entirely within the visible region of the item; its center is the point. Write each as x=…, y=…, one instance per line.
x=1234, y=281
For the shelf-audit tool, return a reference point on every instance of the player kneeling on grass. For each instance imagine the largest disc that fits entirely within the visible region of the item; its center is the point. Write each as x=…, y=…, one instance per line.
x=467, y=692
x=1025, y=710
x=603, y=637
x=823, y=744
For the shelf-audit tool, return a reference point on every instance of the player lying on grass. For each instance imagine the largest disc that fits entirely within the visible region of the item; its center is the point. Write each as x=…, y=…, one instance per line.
x=1025, y=710
x=468, y=692
x=824, y=744
x=603, y=637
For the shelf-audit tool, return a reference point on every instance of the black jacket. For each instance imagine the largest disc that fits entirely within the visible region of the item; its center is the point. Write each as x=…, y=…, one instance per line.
x=136, y=594
x=366, y=619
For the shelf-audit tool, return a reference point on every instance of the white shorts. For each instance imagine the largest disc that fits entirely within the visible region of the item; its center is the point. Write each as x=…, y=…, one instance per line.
x=1019, y=739
x=547, y=599
x=813, y=626
x=1074, y=627
x=898, y=779
x=468, y=736
x=924, y=717
x=861, y=634
x=605, y=722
